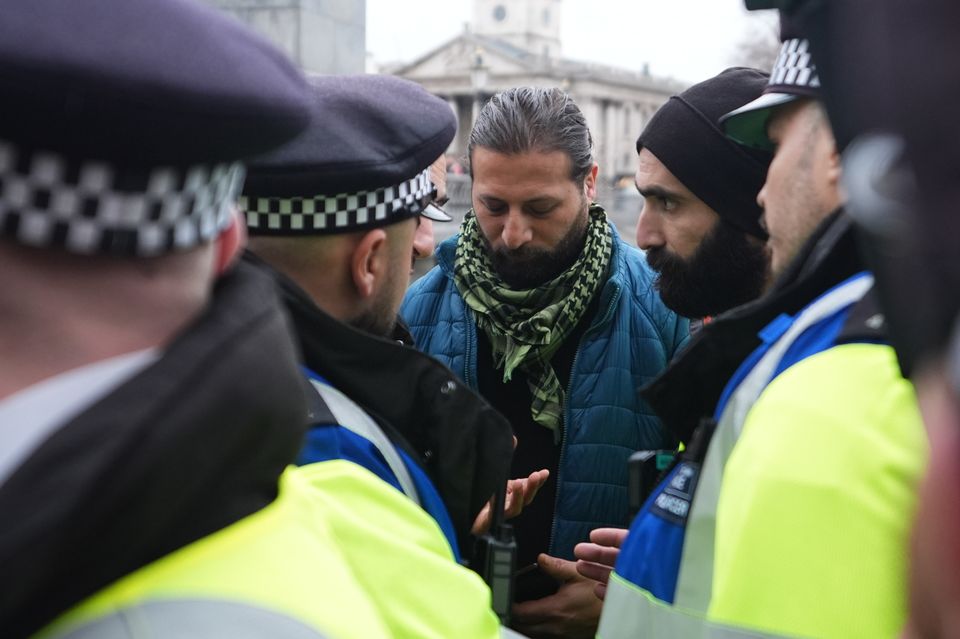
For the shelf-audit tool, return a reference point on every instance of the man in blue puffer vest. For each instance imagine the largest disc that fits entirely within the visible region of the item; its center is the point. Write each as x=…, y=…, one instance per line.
x=540, y=306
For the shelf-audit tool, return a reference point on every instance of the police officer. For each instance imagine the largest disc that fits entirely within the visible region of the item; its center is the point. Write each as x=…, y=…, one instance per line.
x=770, y=523
x=333, y=215
x=897, y=104
x=142, y=483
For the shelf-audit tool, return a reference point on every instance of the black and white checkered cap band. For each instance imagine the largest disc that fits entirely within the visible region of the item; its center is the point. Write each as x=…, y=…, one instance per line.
x=337, y=213
x=89, y=207
x=794, y=68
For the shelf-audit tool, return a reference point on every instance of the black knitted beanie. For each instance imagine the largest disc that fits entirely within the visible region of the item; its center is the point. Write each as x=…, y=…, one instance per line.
x=683, y=134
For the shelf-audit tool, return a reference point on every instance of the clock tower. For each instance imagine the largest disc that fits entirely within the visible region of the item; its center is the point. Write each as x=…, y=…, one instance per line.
x=532, y=25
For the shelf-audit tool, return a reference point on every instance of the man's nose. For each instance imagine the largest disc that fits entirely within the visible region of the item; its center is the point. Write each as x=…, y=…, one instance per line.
x=516, y=232
x=649, y=231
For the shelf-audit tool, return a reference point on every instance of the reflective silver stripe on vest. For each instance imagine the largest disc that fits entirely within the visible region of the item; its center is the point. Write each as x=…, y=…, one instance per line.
x=350, y=416
x=695, y=579
x=192, y=619
x=630, y=613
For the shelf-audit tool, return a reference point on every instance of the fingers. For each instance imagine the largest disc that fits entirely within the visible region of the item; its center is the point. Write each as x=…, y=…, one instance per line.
x=571, y=613
x=520, y=492
x=597, y=572
x=515, y=498
x=560, y=569
x=600, y=590
x=539, y=476
x=535, y=611
x=597, y=559
x=608, y=536
x=538, y=611
x=595, y=553
x=533, y=483
x=482, y=522
x=510, y=501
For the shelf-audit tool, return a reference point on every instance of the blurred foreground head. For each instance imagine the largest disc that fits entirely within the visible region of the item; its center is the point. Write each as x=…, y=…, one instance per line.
x=891, y=77
x=124, y=126
x=890, y=72
x=802, y=186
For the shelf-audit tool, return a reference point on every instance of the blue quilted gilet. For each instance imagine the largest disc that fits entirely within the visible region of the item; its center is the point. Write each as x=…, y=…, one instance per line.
x=629, y=341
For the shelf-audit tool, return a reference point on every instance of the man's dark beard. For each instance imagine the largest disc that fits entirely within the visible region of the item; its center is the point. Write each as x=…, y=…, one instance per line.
x=526, y=267
x=728, y=269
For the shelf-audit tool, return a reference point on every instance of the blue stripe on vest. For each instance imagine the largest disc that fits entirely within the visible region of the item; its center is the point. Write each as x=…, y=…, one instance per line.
x=325, y=442
x=815, y=339
x=651, y=553
x=650, y=556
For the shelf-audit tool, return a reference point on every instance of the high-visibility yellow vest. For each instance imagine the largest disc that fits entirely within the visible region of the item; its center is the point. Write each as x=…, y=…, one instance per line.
x=800, y=520
x=338, y=554
x=400, y=557
x=282, y=561
x=815, y=509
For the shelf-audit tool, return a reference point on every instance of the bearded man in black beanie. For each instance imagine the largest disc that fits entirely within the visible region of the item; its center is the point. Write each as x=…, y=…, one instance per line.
x=699, y=225
x=700, y=222
x=768, y=524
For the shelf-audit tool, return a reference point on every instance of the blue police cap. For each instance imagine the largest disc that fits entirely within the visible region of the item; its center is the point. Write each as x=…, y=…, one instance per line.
x=124, y=121
x=363, y=162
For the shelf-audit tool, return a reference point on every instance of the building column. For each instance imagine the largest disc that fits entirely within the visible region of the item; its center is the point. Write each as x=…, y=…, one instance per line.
x=610, y=140
x=465, y=124
x=455, y=108
x=477, y=105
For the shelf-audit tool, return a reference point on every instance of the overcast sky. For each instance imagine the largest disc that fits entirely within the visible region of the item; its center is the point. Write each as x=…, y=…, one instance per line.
x=690, y=40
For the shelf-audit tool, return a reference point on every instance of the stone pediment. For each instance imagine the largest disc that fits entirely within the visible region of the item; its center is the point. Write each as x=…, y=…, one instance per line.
x=460, y=55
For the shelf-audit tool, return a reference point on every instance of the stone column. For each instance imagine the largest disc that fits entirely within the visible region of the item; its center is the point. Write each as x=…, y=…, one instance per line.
x=610, y=138
x=454, y=144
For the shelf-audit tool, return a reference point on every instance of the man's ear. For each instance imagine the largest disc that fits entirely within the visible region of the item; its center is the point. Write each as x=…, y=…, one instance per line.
x=230, y=243
x=369, y=262
x=834, y=168
x=590, y=183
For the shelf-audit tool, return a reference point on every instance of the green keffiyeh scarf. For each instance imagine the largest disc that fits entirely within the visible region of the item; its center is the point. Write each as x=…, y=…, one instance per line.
x=526, y=327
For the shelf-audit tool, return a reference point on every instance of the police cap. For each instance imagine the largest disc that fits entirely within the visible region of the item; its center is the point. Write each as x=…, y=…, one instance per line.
x=794, y=76
x=123, y=121
x=363, y=162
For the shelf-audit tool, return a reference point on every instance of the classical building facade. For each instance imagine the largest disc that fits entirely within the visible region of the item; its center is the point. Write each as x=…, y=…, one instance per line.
x=322, y=36
x=517, y=43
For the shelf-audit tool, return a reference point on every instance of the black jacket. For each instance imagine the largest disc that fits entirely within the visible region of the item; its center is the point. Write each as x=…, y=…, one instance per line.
x=190, y=445
x=464, y=445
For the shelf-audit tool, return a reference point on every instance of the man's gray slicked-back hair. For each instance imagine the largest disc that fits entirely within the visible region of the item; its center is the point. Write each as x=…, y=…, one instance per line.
x=528, y=119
